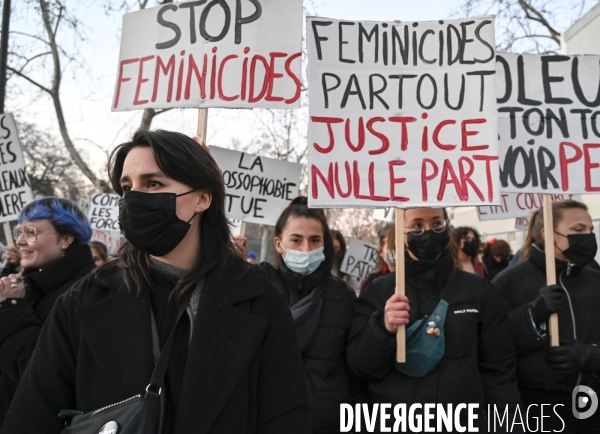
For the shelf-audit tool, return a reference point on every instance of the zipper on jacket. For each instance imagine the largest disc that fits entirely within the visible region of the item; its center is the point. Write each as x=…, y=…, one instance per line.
x=418, y=329
x=115, y=404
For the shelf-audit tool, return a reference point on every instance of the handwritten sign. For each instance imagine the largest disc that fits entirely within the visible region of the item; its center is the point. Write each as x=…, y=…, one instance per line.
x=384, y=214
x=402, y=114
x=522, y=223
x=104, y=212
x=222, y=53
x=15, y=186
x=548, y=122
x=258, y=189
x=360, y=258
x=518, y=205
x=111, y=239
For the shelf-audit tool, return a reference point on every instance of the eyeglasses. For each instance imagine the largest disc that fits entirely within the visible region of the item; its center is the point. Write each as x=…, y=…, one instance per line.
x=437, y=226
x=30, y=233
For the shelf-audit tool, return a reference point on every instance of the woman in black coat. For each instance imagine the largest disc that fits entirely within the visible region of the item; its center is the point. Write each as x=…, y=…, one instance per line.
x=475, y=365
x=234, y=365
x=52, y=237
x=321, y=306
x=549, y=375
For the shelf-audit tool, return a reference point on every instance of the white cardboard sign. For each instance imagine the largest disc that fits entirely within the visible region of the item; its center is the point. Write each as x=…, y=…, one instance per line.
x=257, y=188
x=518, y=205
x=222, y=53
x=549, y=123
x=402, y=114
x=15, y=186
x=360, y=258
x=104, y=212
x=384, y=214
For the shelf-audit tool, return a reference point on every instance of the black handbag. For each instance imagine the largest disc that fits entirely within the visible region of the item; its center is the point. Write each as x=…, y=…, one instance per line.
x=140, y=414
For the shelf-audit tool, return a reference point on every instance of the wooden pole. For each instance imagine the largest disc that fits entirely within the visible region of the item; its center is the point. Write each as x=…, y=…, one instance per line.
x=202, y=124
x=242, y=229
x=400, y=283
x=8, y=235
x=550, y=265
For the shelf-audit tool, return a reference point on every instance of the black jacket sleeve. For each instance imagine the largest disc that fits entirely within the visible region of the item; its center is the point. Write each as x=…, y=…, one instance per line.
x=522, y=329
x=496, y=351
x=19, y=331
x=47, y=385
x=371, y=348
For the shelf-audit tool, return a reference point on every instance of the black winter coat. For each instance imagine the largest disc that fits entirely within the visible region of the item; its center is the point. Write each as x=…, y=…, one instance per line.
x=519, y=285
x=21, y=319
x=325, y=356
x=243, y=371
x=478, y=365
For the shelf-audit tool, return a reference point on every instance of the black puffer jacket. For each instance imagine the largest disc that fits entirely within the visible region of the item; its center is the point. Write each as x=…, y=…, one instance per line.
x=325, y=355
x=21, y=319
x=519, y=285
x=478, y=365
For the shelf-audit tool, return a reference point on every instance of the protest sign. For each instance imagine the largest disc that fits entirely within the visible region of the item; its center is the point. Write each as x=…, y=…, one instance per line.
x=402, y=114
x=518, y=205
x=522, y=223
x=111, y=239
x=384, y=214
x=222, y=53
x=360, y=259
x=104, y=212
x=15, y=186
x=258, y=189
x=548, y=110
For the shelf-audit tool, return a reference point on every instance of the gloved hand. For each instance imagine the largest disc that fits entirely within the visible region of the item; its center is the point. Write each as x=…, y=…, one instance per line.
x=573, y=356
x=549, y=300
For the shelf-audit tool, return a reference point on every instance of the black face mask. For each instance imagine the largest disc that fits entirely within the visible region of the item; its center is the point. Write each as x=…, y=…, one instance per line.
x=471, y=248
x=582, y=248
x=149, y=221
x=428, y=245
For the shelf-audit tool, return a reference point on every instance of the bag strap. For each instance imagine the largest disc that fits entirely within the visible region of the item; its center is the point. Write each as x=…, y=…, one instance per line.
x=160, y=370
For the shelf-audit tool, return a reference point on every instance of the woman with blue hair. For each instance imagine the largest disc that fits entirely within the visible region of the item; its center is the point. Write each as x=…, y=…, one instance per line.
x=52, y=237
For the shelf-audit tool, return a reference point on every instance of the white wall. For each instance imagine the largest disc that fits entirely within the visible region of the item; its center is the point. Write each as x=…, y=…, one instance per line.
x=583, y=36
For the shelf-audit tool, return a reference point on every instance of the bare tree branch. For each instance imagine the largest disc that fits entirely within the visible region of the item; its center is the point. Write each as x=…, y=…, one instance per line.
x=32, y=81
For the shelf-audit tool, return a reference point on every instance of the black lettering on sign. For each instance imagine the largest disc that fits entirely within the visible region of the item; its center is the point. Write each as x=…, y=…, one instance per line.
x=4, y=128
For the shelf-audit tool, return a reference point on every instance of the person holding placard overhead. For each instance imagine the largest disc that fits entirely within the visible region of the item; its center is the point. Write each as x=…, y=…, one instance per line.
x=321, y=306
x=52, y=236
x=458, y=346
x=548, y=375
x=177, y=335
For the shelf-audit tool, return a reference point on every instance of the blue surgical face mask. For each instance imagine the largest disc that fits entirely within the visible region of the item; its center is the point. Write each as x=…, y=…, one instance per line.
x=303, y=262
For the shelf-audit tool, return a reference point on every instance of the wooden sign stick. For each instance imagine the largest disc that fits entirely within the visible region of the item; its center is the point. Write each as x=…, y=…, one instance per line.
x=202, y=124
x=8, y=234
x=400, y=283
x=550, y=265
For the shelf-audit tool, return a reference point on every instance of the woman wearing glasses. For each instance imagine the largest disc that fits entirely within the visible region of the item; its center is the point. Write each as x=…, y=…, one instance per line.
x=459, y=348
x=52, y=237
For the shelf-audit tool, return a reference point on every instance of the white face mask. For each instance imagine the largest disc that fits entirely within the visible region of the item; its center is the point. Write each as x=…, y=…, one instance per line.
x=389, y=256
x=303, y=262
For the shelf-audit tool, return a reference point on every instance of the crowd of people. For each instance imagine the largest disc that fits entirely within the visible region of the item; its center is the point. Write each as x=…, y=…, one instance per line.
x=226, y=345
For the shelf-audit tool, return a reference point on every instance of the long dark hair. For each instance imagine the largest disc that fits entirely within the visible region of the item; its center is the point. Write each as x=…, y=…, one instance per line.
x=339, y=257
x=182, y=159
x=536, y=223
x=299, y=208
